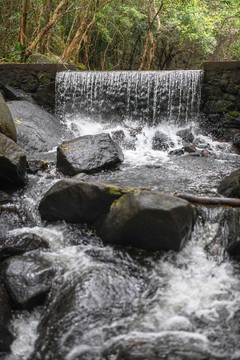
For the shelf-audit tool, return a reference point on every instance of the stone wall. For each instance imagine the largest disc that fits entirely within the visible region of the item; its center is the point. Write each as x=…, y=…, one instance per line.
x=221, y=97
x=37, y=81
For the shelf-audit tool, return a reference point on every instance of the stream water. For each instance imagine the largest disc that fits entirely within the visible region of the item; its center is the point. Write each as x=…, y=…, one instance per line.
x=129, y=304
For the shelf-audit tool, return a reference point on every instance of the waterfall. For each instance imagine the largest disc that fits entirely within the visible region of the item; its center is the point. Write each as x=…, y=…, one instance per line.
x=152, y=97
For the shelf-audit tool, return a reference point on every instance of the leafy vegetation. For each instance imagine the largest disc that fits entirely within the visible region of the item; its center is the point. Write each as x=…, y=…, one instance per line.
x=121, y=34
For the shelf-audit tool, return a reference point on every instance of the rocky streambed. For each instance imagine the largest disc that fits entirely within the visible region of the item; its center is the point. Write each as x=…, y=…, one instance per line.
x=99, y=260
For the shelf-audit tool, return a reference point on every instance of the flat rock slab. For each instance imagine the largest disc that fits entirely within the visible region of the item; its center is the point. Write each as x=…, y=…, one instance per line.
x=12, y=163
x=90, y=153
x=149, y=220
x=37, y=130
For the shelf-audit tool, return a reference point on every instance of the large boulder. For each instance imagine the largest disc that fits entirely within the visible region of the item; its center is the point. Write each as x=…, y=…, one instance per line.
x=230, y=185
x=20, y=244
x=7, y=126
x=97, y=298
x=37, y=130
x=12, y=163
x=149, y=220
x=88, y=154
x=6, y=337
x=27, y=280
x=76, y=201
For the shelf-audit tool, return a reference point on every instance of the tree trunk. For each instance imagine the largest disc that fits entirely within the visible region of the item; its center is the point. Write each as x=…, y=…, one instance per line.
x=46, y=28
x=78, y=36
x=46, y=37
x=217, y=201
x=23, y=25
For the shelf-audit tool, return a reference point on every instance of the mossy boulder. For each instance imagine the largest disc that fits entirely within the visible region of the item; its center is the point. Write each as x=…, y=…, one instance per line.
x=148, y=219
x=76, y=201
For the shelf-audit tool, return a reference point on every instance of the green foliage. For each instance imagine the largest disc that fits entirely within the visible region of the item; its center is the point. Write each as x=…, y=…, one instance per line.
x=185, y=33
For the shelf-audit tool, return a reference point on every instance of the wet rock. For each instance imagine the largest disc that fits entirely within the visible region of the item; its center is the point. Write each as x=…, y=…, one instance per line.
x=176, y=152
x=161, y=141
x=236, y=140
x=7, y=126
x=231, y=225
x=183, y=345
x=37, y=130
x=12, y=163
x=76, y=201
x=27, y=280
x=118, y=136
x=20, y=244
x=189, y=148
x=4, y=198
x=6, y=337
x=149, y=220
x=12, y=93
x=88, y=154
x=95, y=300
x=136, y=131
x=230, y=185
x=186, y=135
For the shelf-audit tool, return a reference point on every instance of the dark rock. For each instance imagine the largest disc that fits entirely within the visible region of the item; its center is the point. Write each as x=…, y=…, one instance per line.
x=136, y=131
x=97, y=299
x=236, y=140
x=149, y=220
x=176, y=152
x=189, y=148
x=12, y=93
x=118, y=136
x=76, y=201
x=12, y=163
x=4, y=198
x=230, y=185
x=186, y=135
x=37, y=130
x=232, y=231
x=6, y=337
x=20, y=244
x=161, y=141
x=88, y=154
x=45, y=95
x=27, y=280
x=7, y=126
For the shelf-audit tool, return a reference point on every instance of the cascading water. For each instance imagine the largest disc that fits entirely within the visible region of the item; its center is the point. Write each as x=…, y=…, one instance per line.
x=152, y=96
x=129, y=304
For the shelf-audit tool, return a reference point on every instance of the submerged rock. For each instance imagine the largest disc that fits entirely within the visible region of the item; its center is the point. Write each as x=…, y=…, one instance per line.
x=230, y=185
x=76, y=201
x=12, y=163
x=20, y=244
x=149, y=220
x=37, y=130
x=6, y=337
x=88, y=154
x=27, y=280
x=7, y=126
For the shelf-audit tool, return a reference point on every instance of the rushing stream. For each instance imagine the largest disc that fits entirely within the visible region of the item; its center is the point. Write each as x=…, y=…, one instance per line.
x=130, y=304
